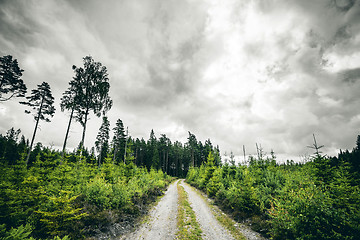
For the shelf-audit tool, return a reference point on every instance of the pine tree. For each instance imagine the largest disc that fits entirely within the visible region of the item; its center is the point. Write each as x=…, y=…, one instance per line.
x=118, y=142
x=102, y=140
x=192, y=143
x=155, y=158
x=41, y=101
x=11, y=84
x=152, y=158
x=93, y=94
x=129, y=157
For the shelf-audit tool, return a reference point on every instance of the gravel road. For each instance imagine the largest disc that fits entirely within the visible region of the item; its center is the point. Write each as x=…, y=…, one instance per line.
x=211, y=228
x=161, y=224
x=162, y=219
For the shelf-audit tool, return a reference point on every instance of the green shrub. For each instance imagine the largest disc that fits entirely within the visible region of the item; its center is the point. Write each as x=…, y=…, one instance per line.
x=59, y=214
x=215, y=183
x=99, y=193
x=20, y=233
x=242, y=198
x=308, y=213
x=120, y=195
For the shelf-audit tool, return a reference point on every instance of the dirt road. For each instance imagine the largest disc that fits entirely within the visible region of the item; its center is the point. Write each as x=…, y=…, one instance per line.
x=162, y=221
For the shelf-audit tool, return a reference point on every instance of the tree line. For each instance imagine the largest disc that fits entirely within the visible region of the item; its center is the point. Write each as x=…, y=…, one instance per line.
x=88, y=93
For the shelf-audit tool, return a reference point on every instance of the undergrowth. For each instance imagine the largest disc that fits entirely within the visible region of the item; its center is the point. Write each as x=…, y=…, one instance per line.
x=315, y=200
x=49, y=200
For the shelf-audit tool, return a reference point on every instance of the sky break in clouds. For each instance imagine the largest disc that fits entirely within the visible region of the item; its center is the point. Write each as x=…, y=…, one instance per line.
x=238, y=72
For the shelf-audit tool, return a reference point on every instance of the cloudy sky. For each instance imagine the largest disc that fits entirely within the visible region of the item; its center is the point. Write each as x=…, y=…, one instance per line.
x=239, y=72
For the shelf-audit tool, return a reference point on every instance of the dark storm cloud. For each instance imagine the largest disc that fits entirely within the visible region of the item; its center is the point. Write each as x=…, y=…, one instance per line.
x=17, y=27
x=174, y=53
x=350, y=75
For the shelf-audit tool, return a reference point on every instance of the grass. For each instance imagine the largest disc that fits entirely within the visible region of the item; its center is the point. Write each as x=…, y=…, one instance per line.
x=188, y=227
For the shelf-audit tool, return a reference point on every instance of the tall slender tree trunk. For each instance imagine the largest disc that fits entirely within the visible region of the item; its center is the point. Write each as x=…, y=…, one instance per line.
x=66, y=136
x=84, y=130
x=100, y=157
x=114, y=153
x=167, y=161
x=127, y=133
x=136, y=155
x=192, y=158
x=36, y=126
x=163, y=161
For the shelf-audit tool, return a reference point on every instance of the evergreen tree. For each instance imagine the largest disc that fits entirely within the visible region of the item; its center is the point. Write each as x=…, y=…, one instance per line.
x=151, y=149
x=118, y=142
x=155, y=158
x=70, y=101
x=217, y=157
x=164, y=143
x=11, y=84
x=41, y=101
x=93, y=94
x=102, y=140
x=129, y=157
x=192, y=144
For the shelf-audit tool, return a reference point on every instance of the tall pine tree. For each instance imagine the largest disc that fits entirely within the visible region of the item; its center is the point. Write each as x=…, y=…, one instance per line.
x=102, y=140
x=41, y=101
x=118, y=142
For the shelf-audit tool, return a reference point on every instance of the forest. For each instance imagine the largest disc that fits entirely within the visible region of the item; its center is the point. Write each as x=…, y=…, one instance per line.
x=48, y=193
x=52, y=194
x=318, y=199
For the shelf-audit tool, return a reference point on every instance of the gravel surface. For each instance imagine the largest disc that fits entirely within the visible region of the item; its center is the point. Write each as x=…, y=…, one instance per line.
x=161, y=224
x=247, y=232
x=162, y=219
x=211, y=228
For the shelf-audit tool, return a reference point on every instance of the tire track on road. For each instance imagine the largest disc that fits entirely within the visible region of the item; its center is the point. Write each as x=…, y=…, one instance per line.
x=162, y=219
x=210, y=226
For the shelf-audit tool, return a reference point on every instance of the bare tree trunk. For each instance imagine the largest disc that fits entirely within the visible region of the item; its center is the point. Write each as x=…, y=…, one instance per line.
x=167, y=161
x=192, y=158
x=84, y=130
x=257, y=150
x=114, y=153
x=127, y=132
x=66, y=136
x=36, y=126
x=244, y=153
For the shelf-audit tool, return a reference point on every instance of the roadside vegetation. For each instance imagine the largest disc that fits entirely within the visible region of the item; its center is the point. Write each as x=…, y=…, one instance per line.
x=74, y=199
x=315, y=200
x=77, y=199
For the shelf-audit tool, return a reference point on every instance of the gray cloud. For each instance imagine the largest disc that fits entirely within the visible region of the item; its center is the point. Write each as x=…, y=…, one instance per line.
x=350, y=75
x=239, y=72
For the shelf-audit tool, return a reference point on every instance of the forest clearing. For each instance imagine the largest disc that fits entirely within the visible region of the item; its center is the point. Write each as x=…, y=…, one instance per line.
x=165, y=119
x=46, y=193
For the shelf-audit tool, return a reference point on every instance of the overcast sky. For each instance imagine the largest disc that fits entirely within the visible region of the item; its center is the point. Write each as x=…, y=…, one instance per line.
x=271, y=72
